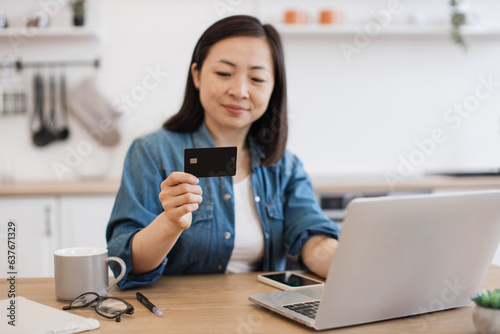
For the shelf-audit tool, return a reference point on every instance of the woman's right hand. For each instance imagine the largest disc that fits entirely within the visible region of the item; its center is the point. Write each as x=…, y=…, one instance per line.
x=180, y=195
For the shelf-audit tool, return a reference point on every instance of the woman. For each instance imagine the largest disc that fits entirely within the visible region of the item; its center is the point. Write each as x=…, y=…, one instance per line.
x=169, y=222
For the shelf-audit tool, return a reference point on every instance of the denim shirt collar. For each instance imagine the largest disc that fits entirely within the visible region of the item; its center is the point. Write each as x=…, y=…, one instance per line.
x=202, y=138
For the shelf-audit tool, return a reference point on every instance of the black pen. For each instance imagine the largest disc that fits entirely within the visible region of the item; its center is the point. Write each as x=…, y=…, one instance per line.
x=148, y=304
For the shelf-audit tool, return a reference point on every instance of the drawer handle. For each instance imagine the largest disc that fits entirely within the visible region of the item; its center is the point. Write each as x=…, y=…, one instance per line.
x=48, y=230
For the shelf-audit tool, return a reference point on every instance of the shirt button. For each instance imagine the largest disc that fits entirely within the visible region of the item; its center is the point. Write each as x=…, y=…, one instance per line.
x=257, y=199
x=266, y=235
x=227, y=235
x=219, y=267
x=227, y=197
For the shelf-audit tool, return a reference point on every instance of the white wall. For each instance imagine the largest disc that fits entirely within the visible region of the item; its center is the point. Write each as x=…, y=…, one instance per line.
x=361, y=116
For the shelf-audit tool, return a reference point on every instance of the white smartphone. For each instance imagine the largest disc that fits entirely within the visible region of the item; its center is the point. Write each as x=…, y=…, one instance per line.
x=288, y=280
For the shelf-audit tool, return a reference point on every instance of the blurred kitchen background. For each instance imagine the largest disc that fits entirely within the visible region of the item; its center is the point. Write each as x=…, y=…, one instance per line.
x=378, y=89
x=357, y=105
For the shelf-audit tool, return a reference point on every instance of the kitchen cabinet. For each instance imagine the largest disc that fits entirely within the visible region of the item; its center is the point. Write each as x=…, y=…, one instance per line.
x=46, y=223
x=36, y=222
x=84, y=220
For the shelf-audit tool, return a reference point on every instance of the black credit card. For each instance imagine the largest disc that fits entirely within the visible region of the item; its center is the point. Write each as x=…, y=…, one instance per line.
x=210, y=161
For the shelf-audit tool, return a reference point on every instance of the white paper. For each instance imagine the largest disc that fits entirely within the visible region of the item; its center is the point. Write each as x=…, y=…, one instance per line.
x=31, y=317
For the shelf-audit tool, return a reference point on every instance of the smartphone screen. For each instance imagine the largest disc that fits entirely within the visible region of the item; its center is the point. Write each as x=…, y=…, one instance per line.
x=291, y=279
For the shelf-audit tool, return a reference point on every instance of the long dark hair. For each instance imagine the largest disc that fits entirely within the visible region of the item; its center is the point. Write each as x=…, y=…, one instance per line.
x=270, y=131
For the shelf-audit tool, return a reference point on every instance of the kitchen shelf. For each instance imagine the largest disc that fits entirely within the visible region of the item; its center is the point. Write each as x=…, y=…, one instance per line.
x=402, y=30
x=63, y=32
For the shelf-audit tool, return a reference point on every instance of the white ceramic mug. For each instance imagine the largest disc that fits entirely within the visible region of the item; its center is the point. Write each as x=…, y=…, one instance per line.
x=83, y=269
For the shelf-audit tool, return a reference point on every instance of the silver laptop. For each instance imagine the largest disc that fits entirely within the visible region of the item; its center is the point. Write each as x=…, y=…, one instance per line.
x=400, y=256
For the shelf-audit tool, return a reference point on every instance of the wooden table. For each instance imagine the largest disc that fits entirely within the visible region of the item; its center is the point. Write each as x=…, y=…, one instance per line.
x=219, y=304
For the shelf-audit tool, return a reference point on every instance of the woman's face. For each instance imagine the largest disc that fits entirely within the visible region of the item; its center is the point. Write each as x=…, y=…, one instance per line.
x=235, y=83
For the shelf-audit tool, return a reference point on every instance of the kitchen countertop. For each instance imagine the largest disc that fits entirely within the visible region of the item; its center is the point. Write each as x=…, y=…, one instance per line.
x=90, y=187
x=321, y=184
x=343, y=183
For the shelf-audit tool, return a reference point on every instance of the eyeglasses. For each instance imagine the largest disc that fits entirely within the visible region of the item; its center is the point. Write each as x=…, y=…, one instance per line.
x=108, y=307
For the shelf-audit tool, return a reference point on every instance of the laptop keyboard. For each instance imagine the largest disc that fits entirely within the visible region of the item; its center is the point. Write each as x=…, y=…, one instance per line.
x=308, y=309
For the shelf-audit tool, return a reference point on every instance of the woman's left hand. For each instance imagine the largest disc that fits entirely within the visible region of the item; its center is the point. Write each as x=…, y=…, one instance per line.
x=317, y=254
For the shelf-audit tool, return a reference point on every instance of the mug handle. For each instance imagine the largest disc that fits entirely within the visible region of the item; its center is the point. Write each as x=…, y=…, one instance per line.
x=122, y=272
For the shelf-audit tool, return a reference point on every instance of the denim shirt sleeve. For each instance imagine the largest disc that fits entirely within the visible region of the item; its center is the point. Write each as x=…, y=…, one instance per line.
x=136, y=206
x=302, y=213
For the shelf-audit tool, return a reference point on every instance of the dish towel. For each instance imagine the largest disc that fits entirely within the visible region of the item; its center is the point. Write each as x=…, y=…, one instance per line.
x=94, y=113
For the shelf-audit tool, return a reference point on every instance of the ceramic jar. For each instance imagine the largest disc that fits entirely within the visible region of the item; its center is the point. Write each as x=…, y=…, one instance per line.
x=486, y=320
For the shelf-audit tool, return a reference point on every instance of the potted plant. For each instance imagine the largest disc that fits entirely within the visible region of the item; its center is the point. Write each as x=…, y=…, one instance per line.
x=458, y=19
x=486, y=314
x=78, y=9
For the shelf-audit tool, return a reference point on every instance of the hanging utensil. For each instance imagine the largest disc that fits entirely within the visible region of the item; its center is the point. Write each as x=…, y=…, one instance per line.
x=64, y=130
x=52, y=102
x=44, y=135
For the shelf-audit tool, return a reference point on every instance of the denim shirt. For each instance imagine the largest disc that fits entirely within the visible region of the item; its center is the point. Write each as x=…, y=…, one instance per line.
x=287, y=207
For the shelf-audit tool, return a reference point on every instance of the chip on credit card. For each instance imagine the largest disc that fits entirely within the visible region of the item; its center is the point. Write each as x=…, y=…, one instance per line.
x=210, y=161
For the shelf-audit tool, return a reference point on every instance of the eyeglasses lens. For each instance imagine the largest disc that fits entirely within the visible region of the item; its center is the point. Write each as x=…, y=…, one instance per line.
x=85, y=300
x=111, y=307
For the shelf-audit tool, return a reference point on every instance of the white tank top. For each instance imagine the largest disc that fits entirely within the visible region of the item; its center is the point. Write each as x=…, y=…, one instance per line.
x=248, y=235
